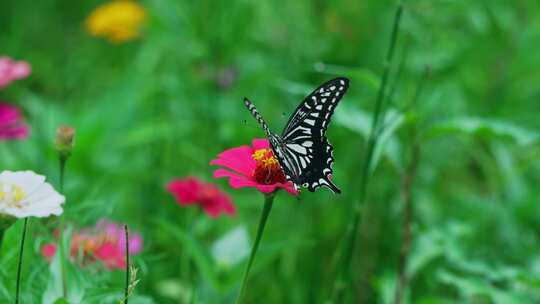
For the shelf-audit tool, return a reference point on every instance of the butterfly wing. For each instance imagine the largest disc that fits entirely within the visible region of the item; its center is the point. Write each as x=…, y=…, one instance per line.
x=305, y=148
x=322, y=100
x=286, y=161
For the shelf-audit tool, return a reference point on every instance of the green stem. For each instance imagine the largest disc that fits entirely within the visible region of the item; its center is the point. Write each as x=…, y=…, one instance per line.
x=343, y=276
x=190, y=277
x=193, y=298
x=268, y=201
x=19, y=266
x=126, y=289
x=62, y=167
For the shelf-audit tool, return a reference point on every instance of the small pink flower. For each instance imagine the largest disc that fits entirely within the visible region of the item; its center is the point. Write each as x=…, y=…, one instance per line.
x=11, y=70
x=105, y=243
x=48, y=251
x=109, y=254
x=253, y=166
x=117, y=234
x=11, y=123
x=191, y=191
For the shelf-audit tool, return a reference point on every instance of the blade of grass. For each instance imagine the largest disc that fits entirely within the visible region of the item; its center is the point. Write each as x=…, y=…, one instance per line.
x=19, y=265
x=343, y=274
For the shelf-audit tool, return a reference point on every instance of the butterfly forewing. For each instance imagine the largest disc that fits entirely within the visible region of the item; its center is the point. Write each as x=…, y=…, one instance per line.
x=316, y=110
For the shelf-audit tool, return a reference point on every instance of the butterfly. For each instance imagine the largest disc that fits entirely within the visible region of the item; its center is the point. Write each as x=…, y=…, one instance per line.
x=302, y=149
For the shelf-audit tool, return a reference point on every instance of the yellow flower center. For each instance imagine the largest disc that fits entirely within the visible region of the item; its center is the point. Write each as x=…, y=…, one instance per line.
x=265, y=158
x=268, y=171
x=11, y=195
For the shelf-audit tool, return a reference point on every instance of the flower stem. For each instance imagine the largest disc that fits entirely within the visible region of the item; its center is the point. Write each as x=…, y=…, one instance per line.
x=19, y=266
x=343, y=274
x=62, y=167
x=126, y=288
x=268, y=201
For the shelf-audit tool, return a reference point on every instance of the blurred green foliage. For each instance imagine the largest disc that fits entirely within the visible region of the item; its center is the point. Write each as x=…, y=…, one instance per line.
x=163, y=106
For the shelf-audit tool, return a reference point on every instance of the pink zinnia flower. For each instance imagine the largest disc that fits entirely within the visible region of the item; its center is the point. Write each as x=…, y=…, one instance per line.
x=192, y=191
x=253, y=166
x=105, y=243
x=11, y=124
x=11, y=70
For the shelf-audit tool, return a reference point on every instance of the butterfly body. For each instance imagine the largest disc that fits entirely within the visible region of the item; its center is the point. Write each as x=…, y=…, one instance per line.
x=302, y=150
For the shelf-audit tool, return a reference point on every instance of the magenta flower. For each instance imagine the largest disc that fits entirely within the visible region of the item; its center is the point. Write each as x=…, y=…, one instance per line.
x=11, y=70
x=253, y=166
x=48, y=251
x=115, y=233
x=11, y=123
x=192, y=191
x=105, y=242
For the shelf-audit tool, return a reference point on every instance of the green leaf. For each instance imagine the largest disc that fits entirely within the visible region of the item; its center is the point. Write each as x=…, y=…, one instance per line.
x=357, y=75
x=474, y=287
x=196, y=250
x=484, y=127
x=360, y=122
x=75, y=284
x=232, y=248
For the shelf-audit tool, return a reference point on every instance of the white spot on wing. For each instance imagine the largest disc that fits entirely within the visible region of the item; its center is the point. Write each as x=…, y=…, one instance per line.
x=297, y=148
x=307, y=143
x=302, y=162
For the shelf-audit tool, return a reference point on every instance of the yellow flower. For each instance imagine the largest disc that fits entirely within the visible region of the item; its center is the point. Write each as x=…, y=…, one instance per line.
x=118, y=21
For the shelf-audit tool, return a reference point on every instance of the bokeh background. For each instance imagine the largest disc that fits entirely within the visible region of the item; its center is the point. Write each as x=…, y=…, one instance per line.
x=162, y=101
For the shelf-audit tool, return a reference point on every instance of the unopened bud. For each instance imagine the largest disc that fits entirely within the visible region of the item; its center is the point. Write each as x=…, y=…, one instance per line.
x=64, y=140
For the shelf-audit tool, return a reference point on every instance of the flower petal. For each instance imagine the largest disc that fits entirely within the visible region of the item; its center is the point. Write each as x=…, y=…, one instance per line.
x=185, y=190
x=260, y=143
x=237, y=159
x=235, y=181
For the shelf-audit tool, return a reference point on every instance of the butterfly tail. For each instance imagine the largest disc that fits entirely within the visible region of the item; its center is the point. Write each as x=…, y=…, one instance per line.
x=332, y=187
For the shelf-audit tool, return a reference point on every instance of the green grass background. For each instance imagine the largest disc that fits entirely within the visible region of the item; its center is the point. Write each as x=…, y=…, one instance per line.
x=155, y=108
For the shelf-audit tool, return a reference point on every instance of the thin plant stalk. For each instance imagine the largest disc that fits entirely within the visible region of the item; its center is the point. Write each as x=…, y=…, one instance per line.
x=406, y=220
x=268, y=202
x=126, y=287
x=187, y=261
x=343, y=274
x=407, y=198
x=19, y=265
x=62, y=169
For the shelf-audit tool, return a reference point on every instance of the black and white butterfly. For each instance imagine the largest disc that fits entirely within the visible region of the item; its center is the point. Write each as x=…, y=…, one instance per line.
x=302, y=150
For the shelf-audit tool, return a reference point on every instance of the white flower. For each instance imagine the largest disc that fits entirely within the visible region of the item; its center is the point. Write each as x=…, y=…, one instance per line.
x=25, y=193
